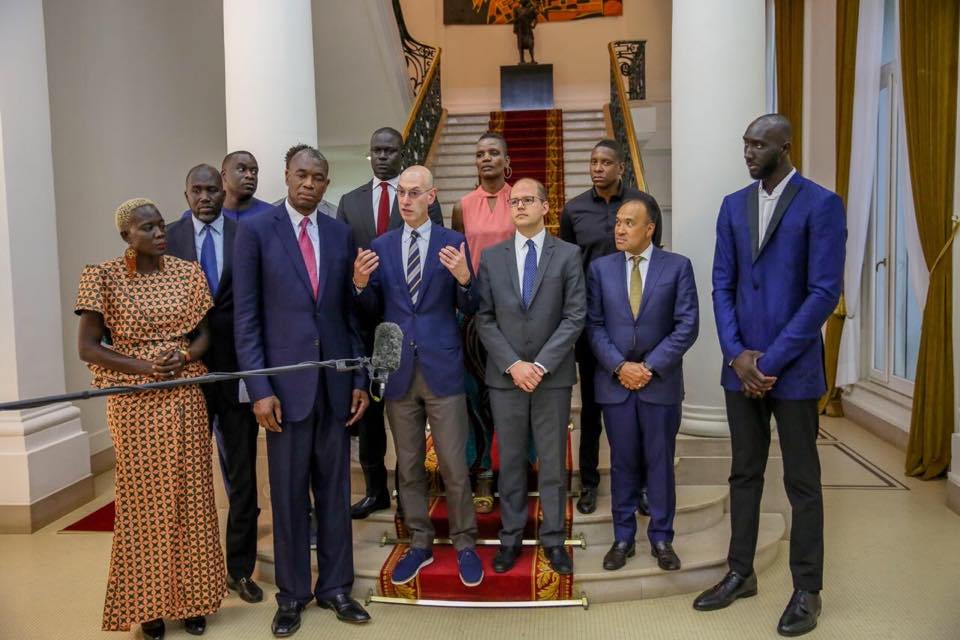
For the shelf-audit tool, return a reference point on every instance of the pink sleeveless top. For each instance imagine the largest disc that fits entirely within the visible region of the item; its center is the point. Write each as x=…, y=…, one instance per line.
x=483, y=227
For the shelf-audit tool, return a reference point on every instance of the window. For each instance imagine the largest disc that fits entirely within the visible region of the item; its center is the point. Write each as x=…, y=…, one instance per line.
x=891, y=309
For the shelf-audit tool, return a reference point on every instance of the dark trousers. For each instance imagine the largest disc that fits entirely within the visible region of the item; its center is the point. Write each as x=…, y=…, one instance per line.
x=235, y=429
x=590, y=426
x=643, y=439
x=313, y=453
x=544, y=415
x=372, y=435
x=797, y=425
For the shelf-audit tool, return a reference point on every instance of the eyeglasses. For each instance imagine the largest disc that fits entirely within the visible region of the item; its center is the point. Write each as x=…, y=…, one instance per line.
x=413, y=194
x=526, y=200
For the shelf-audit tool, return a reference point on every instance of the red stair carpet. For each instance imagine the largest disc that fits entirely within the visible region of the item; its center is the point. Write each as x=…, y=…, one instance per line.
x=535, y=145
x=530, y=579
x=100, y=520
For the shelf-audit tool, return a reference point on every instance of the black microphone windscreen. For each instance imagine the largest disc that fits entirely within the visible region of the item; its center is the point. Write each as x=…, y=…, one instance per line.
x=387, y=345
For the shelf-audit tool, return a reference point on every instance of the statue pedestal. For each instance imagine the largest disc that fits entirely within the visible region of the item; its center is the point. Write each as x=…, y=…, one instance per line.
x=526, y=86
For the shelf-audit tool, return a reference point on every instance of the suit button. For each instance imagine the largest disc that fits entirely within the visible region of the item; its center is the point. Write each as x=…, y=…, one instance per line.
x=755, y=286
x=412, y=343
x=316, y=343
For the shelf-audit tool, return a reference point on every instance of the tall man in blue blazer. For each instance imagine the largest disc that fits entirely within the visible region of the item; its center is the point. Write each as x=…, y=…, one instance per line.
x=293, y=301
x=418, y=277
x=642, y=316
x=207, y=237
x=777, y=273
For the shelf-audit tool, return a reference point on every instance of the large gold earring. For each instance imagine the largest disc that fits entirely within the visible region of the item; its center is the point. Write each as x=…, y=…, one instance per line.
x=508, y=172
x=130, y=259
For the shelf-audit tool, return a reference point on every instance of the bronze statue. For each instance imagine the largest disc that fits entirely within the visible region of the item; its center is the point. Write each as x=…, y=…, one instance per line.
x=524, y=22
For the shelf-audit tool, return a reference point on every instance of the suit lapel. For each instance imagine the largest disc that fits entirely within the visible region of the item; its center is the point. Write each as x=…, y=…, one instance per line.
x=323, y=269
x=369, y=228
x=785, y=199
x=288, y=240
x=543, y=264
x=622, y=285
x=402, y=270
x=185, y=238
x=753, y=219
x=229, y=231
x=512, y=269
x=395, y=220
x=654, y=269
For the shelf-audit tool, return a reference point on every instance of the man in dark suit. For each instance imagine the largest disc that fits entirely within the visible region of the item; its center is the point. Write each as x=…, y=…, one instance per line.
x=532, y=309
x=207, y=237
x=371, y=210
x=421, y=276
x=642, y=316
x=294, y=303
x=777, y=273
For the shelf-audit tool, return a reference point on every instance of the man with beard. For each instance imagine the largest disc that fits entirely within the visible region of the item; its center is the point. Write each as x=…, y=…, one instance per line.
x=777, y=274
x=240, y=174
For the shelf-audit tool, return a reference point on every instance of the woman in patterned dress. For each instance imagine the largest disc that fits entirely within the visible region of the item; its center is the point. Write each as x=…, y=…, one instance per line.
x=483, y=216
x=141, y=320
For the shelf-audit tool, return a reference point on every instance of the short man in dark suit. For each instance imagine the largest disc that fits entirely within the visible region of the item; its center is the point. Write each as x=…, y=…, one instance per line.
x=421, y=277
x=642, y=316
x=587, y=221
x=293, y=302
x=207, y=237
x=371, y=210
x=241, y=175
x=532, y=310
x=777, y=274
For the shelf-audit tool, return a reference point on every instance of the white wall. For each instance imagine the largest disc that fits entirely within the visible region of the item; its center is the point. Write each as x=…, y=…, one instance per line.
x=136, y=99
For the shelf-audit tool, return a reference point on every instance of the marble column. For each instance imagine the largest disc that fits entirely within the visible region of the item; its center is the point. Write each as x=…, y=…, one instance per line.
x=717, y=88
x=271, y=101
x=44, y=453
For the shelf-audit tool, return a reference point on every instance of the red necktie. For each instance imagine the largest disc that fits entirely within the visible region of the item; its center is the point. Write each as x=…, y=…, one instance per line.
x=383, y=211
x=309, y=256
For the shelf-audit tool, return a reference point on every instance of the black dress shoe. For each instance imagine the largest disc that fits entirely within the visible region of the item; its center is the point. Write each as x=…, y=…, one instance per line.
x=560, y=560
x=286, y=620
x=644, y=507
x=666, y=557
x=153, y=629
x=368, y=504
x=801, y=614
x=346, y=608
x=587, y=503
x=505, y=559
x=195, y=626
x=732, y=586
x=618, y=554
x=246, y=588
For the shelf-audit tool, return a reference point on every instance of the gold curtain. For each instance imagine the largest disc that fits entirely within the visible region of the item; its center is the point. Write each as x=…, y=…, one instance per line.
x=929, y=30
x=848, y=12
x=788, y=30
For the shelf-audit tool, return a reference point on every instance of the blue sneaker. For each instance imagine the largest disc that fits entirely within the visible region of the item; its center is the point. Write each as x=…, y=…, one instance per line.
x=471, y=569
x=410, y=564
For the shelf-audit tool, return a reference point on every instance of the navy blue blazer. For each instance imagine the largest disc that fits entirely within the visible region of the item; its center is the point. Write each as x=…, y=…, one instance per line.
x=277, y=320
x=430, y=327
x=776, y=296
x=666, y=327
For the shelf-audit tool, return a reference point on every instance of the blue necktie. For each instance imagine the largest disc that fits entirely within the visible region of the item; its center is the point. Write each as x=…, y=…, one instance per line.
x=208, y=260
x=413, y=267
x=529, y=273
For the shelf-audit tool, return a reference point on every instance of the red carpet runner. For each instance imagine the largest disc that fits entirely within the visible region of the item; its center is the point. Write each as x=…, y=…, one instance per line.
x=530, y=579
x=535, y=145
x=100, y=520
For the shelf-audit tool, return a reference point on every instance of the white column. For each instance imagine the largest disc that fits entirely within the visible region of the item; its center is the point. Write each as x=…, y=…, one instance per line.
x=717, y=80
x=44, y=453
x=953, y=477
x=269, y=82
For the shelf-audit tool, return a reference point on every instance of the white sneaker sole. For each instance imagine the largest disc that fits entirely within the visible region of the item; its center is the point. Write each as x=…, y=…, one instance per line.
x=471, y=584
x=423, y=564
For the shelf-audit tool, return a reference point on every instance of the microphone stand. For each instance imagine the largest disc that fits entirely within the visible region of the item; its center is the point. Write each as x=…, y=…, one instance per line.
x=343, y=365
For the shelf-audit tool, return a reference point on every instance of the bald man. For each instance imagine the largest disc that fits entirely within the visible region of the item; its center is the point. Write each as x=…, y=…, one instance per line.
x=207, y=237
x=777, y=273
x=418, y=276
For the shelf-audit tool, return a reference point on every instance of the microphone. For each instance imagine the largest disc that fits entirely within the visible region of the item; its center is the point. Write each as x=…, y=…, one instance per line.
x=387, y=345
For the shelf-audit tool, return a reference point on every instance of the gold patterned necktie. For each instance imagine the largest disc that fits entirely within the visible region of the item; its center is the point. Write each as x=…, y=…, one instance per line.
x=636, y=286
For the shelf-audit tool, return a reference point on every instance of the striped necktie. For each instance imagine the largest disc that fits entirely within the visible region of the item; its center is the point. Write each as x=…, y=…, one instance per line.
x=413, y=267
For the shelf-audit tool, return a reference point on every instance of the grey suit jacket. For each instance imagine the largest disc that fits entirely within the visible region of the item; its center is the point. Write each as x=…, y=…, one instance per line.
x=547, y=331
x=356, y=209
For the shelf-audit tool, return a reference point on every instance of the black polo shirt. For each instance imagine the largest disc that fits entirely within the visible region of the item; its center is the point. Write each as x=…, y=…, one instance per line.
x=588, y=220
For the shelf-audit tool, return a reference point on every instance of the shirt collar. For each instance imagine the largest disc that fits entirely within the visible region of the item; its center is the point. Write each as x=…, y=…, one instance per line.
x=777, y=190
x=618, y=195
x=646, y=253
x=296, y=216
x=198, y=224
x=393, y=182
x=520, y=240
x=423, y=230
